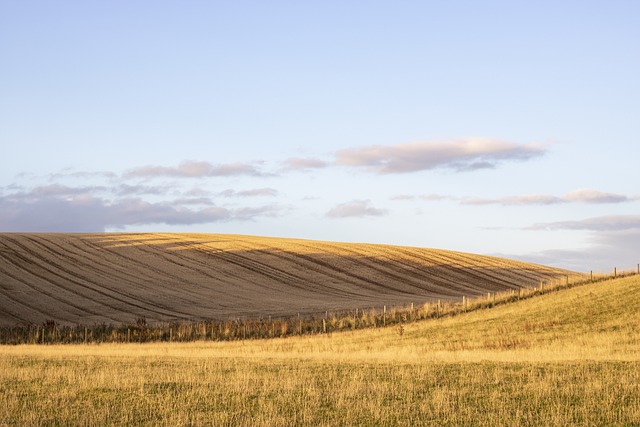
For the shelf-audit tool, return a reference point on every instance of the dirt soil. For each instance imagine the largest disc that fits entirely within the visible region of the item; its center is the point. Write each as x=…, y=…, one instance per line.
x=117, y=278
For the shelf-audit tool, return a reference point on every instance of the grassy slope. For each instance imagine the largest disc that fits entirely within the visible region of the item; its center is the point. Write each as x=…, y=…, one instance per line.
x=566, y=358
x=117, y=278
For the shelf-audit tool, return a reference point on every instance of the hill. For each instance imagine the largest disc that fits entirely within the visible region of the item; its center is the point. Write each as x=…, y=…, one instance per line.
x=116, y=277
x=568, y=357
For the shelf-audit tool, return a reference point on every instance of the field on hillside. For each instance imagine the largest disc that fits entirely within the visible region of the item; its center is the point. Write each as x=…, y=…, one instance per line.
x=570, y=357
x=117, y=278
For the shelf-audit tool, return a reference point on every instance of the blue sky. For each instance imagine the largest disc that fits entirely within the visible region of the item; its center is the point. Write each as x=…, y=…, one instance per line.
x=497, y=127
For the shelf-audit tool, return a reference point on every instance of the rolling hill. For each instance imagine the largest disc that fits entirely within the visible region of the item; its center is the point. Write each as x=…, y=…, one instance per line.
x=118, y=277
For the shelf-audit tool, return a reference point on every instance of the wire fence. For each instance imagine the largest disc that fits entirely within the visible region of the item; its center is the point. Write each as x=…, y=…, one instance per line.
x=49, y=332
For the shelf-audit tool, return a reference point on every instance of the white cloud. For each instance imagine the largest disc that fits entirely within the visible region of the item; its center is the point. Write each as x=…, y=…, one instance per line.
x=602, y=223
x=194, y=169
x=530, y=199
x=594, y=196
x=355, y=208
x=255, y=192
x=460, y=155
x=302, y=164
x=61, y=208
x=579, y=196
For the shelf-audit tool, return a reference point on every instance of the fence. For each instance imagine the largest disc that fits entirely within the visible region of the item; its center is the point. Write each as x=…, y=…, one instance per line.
x=246, y=329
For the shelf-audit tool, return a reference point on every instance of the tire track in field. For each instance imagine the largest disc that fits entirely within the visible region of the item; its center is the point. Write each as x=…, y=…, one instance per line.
x=467, y=265
x=173, y=279
x=78, y=275
x=523, y=271
x=169, y=255
x=345, y=269
x=304, y=280
x=85, y=284
x=451, y=267
x=251, y=250
x=446, y=285
x=207, y=276
x=506, y=268
x=107, y=271
x=370, y=265
x=431, y=273
x=310, y=264
x=43, y=289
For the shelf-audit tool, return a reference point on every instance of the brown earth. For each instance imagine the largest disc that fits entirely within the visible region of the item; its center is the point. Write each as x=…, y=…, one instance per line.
x=117, y=278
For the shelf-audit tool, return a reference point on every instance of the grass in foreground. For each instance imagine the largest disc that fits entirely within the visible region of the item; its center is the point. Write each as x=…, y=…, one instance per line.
x=566, y=358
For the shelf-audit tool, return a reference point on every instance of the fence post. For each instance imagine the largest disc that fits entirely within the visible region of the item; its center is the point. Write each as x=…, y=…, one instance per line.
x=615, y=272
x=324, y=326
x=591, y=275
x=384, y=316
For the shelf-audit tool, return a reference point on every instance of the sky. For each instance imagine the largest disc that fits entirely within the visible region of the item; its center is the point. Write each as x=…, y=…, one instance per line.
x=504, y=128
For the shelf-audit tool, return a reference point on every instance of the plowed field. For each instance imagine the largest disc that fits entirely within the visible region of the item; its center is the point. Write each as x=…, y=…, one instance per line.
x=117, y=278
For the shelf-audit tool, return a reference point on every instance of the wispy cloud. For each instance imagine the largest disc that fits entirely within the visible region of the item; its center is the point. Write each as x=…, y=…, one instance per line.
x=255, y=192
x=459, y=155
x=355, y=208
x=70, y=173
x=194, y=169
x=425, y=197
x=131, y=190
x=83, y=209
x=578, y=196
x=302, y=164
x=601, y=223
x=528, y=199
x=594, y=196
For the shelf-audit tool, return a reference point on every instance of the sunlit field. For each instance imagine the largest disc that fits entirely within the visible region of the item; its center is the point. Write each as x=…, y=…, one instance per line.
x=570, y=357
x=116, y=278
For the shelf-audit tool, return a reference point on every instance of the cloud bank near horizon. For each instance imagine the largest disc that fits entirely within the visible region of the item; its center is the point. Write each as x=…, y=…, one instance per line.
x=588, y=196
x=61, y=208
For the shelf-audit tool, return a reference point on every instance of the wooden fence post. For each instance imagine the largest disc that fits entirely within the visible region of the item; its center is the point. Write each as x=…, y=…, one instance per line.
x=324, y=326
x=384, y=315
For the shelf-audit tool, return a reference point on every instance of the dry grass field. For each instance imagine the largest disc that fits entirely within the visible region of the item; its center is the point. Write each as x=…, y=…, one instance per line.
x=116, y=278
x=570, y=357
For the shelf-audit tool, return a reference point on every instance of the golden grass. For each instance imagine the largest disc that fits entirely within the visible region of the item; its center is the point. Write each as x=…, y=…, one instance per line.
x=565, y=358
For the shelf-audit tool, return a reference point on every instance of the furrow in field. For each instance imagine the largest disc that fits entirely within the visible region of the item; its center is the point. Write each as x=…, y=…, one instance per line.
x=88, y=276
x=473, y=282
x=167, y=276
x=314, y=270
x=56, y=298
x=114, y=300
x=213, y=268
x=131, y=277
x=438, y=285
